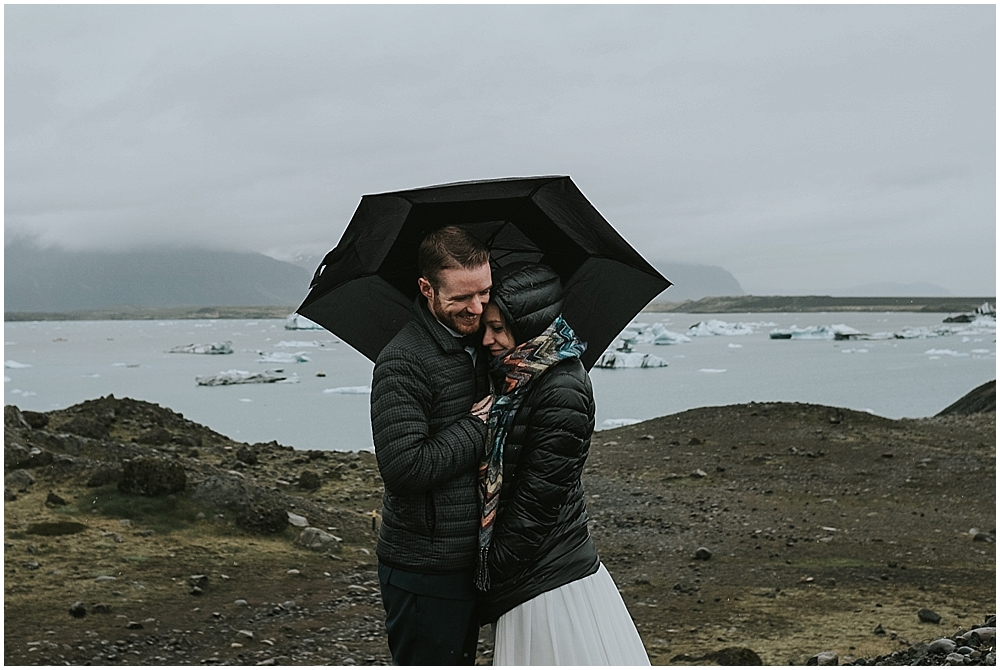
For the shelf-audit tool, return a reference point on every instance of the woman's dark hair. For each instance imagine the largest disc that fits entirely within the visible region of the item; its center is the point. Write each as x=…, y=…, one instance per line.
x=447, y=248
x=529, y=297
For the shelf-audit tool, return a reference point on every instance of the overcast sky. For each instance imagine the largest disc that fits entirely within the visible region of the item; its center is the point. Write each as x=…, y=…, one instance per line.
x=802, y=148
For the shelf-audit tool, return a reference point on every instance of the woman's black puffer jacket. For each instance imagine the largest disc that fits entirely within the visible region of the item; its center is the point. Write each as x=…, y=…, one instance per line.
x=540, y=537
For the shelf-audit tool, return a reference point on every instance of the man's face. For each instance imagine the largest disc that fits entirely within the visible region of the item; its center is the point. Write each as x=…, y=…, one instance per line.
x=459, y=298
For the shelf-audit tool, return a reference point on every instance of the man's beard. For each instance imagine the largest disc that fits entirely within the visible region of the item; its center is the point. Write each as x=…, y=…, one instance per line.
x=452, y=321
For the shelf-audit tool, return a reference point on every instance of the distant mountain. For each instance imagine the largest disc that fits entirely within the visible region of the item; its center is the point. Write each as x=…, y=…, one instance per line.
x=59, y=281
x=891, y=290
x=694, y=282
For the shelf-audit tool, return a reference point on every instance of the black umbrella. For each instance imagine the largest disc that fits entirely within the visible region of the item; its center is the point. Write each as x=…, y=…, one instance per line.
x=364, y=289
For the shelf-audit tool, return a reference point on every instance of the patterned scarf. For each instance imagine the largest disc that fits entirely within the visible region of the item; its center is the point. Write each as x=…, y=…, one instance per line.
x=512, y=374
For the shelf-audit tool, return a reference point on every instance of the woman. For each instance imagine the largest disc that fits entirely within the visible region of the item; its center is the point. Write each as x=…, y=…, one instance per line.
x=543, y=584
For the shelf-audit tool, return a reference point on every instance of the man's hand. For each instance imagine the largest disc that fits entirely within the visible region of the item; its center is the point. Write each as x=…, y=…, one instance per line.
x=481, y=410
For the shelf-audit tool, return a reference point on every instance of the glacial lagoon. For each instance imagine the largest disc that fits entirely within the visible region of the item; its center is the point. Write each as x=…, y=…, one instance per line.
x=323, y=402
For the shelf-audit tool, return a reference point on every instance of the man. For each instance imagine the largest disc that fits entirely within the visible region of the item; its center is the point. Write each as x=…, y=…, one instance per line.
x=430, y=403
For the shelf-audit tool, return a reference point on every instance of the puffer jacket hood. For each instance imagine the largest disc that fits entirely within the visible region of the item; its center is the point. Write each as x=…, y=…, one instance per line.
x=529, y=296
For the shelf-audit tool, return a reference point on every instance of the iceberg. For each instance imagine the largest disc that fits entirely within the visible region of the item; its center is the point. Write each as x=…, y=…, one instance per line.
x=660, y=335
x=618, y=423
x=299, y=344
x=718, y=327
x=299, y=322
x=350, y=390
x=243, y=377
x=283, y=357
x=14, y=365
x=838, y=331
x=714, y=371
x=621, y=359
x=210, y=348
x=943, y=352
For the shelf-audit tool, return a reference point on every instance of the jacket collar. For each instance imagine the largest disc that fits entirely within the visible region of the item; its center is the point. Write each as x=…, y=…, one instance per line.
x=439, y=333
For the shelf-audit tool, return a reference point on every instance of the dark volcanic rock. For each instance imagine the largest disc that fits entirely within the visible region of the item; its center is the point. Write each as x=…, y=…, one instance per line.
x=929, y=616
x=155, y=436
x=14, y=418
x=19, y=480
x=96, y=426
x=78, y=610
x=980, y=399
x=262, y=519
x=246, y=455
x=152, y=476
x=36, y=420
x=55, y=500
x=309, y=480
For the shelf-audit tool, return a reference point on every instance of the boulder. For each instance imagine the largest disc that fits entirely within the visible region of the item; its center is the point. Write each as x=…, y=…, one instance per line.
x=309, y=480
x=824, y=658
x=95, y=426
x=317, y=540
x=263, y=519
x=16, y=455
x=149, y=476
x=929, y=616
x=55, y=500
x=19, y=480
x=36, y=420
x=246, y=455
x=13, y=418
x=155, y=436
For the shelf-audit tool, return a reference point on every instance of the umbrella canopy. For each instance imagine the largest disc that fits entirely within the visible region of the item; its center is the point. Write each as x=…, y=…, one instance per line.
x=364, y=289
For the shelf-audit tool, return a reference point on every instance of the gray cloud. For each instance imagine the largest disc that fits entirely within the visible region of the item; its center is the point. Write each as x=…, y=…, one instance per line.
x=800, y=147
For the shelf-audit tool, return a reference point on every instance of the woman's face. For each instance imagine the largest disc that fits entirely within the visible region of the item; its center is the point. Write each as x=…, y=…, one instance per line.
x=497, y=338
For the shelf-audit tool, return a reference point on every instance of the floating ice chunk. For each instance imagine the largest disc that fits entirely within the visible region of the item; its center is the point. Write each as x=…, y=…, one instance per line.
x=299, y=344
x=660, y=335
x=618, y=423
x=854, y=351
x=246, y=399
x=210, y=348
x=621, y=359
x=350, y=390
x=93, y=375
x=7, y=379
x=943, y=352
x=733, y=345
x=713, y=371
x=299, y=322
x=14, y=365
x=718, y=327
x=283, y=357
x=629, y=336
x=241, y=377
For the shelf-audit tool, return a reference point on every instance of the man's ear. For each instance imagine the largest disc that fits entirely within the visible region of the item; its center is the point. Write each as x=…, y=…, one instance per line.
x=425, y=288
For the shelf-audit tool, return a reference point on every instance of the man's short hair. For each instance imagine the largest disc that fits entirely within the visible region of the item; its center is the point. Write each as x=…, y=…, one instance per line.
x=448, y=248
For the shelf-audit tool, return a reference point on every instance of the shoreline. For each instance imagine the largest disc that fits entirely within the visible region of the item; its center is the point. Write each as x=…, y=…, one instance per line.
x=710, y=305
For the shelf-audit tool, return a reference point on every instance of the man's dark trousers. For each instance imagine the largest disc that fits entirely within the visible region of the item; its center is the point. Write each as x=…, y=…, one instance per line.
x=431, y=619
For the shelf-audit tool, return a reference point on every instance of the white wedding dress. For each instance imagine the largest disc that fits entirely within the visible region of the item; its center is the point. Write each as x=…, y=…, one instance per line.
x=582, y=623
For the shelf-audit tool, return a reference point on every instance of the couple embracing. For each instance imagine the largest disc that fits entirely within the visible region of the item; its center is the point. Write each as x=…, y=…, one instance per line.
x=482, y=414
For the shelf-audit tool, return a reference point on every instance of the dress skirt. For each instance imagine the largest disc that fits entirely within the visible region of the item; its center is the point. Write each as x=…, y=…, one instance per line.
x=582, y=623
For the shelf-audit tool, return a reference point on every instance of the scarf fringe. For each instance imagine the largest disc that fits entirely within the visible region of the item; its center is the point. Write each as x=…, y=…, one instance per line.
x=483, y=570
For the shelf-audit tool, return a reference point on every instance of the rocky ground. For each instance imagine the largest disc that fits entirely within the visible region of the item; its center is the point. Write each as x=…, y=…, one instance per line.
x=778, y=533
